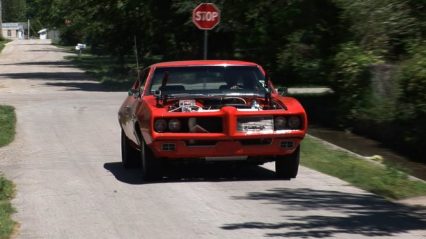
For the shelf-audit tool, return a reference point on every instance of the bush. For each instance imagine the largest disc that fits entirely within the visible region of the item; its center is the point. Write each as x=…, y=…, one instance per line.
x=399, y=119
x=412, y=80
x=300, y=59
x=412, y=100
x=352, y=79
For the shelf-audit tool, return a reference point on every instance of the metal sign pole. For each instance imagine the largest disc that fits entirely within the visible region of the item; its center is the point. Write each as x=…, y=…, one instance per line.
x=29, y=29
x=205, y=44
x=137, y=56
x=206, y=16
x=1, y=22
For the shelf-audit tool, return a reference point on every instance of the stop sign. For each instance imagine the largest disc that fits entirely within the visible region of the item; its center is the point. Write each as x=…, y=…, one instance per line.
x=206, y=16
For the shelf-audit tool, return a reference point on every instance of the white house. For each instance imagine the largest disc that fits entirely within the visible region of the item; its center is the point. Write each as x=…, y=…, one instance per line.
x=14, y=30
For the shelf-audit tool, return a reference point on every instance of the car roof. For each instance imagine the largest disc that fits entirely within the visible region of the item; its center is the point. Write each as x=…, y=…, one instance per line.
x=204, y=63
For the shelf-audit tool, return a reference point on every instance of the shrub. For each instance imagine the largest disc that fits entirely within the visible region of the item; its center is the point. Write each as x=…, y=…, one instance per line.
x=412, y=80
x=351, y=79
x=412, y=99
x=300, y=59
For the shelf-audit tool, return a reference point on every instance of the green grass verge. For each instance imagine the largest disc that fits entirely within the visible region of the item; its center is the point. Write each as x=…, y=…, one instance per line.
x=7, y=133
x=2, y=44
x=7, y=124
x=385, y=181
x=6, y=210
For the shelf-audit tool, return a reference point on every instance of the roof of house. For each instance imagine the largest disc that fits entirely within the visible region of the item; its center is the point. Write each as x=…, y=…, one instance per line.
x=14, y=25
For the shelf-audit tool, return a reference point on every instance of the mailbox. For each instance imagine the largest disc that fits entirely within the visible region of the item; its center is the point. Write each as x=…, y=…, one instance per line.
x=80, y=47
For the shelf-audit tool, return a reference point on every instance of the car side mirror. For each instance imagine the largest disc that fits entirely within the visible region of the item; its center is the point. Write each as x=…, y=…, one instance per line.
x=134, y=92
x=282, y=90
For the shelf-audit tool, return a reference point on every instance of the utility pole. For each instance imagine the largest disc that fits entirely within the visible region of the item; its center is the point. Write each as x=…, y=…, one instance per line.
x=29, y=28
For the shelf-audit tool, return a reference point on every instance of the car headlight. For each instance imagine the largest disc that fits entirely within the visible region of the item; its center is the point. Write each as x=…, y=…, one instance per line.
x=294, y=122
x=279, y=122
x=174, y=125
x=160, y=125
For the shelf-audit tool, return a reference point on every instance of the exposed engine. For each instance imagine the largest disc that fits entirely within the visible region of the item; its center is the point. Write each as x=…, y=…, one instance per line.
x=214, y=104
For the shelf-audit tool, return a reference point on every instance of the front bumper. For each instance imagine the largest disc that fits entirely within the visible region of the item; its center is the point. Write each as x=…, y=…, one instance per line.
x=231, y=141
x=176, y=149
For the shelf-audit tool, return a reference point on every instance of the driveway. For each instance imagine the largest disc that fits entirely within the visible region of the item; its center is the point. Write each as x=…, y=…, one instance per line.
x=65, y=162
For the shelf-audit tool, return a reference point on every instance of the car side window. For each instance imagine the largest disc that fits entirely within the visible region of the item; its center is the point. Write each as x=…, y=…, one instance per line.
x=136, y=85
x=142, y=79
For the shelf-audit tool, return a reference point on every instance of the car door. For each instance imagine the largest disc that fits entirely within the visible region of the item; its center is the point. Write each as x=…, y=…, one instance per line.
x=131, y=105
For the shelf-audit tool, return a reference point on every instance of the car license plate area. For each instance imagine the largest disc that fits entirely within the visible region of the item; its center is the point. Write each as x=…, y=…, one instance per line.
x=255, y=124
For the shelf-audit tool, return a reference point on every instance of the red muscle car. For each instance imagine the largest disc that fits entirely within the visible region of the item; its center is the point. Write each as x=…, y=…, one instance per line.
x=209, y=110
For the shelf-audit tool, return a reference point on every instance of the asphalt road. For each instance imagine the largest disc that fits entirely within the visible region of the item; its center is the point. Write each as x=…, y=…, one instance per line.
x=65, y=162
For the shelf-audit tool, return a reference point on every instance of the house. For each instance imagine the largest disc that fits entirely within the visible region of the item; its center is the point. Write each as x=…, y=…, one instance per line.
x=14, y=30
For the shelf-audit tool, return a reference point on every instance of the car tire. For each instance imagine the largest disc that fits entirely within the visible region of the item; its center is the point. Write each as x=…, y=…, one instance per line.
x=151, y=165
x=288, y=166
x=129, y=155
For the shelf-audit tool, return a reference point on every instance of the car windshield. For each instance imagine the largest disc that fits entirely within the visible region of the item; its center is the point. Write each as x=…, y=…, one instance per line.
x=208, y=80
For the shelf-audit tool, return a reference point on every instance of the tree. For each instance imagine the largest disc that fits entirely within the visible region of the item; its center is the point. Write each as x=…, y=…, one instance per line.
x=380, y=26
x=14, y=10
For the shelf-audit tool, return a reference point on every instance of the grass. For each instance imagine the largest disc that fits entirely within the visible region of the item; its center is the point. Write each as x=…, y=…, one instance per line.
x=107, y=70
x=7, y=124
x=382, y=180
x=3, y=43
x=6, y=210
x=7, y=133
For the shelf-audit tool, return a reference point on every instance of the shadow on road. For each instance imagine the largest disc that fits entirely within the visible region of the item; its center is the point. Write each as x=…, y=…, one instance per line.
x=130, y=176
x=194, y=173
x=50, y=50
x=35, y=43
x=80, y=86
x=92, y=86
x=365, y=215
x=74, y=81
x=42, y=63
x=47, y=75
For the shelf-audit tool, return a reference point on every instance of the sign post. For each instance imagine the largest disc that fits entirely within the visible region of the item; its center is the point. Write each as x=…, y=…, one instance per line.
x=1, y=22
x=206, y=16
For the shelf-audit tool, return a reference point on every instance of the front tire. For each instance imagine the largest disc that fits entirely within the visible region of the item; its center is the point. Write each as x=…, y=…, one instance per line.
x=129, y=155
x=288, y=166
x=151, y=165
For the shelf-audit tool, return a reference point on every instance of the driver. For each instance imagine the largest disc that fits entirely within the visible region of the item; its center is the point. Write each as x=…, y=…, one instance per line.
x=232, y=79
x=240, y=80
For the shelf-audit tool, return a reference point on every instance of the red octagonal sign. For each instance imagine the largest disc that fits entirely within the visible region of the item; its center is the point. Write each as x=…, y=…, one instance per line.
x=206, y=16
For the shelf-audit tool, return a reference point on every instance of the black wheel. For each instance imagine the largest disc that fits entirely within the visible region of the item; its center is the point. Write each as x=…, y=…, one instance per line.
x=288, y=166
x=151, y=166
x=129, y=155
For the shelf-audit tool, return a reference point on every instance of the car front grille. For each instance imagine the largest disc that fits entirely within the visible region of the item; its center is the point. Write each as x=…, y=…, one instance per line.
x=255, y=124
x=205, y=125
